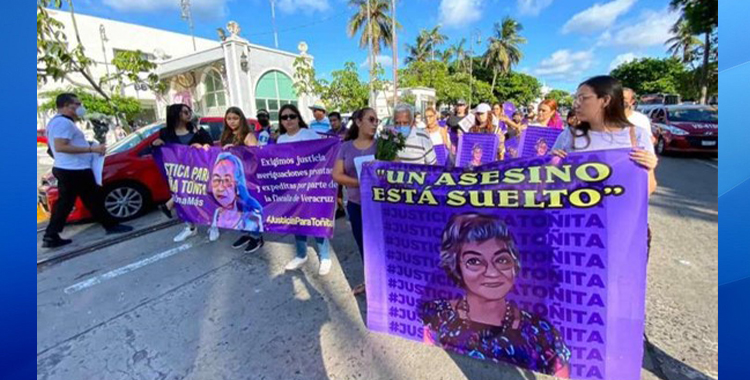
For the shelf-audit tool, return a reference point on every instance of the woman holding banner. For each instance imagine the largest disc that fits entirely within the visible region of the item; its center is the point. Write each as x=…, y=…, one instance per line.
x=237, y=133
x=359, y=142
x=479, y=254
x=439, y=136
x=602, y=124
x=548, y=116
x=293, y=129
x=180, y=130
x=484, y=122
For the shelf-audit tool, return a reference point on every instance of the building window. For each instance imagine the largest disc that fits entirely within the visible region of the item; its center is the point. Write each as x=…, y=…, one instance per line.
x=274, y=89
x=215, y=94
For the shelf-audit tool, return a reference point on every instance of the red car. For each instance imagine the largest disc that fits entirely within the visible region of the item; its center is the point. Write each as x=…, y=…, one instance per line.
x=131, y=179
x=685, y=128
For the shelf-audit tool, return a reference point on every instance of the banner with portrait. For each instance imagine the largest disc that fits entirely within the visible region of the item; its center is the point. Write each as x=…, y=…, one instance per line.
x=538, y=262
x=537, y=141
x=281, y=188
x=476, y=149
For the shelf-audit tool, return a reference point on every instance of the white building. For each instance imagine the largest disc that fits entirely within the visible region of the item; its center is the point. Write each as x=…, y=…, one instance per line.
x=424, y=97
x=213, y=76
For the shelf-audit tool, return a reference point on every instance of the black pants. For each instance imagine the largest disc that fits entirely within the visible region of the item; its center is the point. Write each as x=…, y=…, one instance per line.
x=355, y=218
x=72, y=184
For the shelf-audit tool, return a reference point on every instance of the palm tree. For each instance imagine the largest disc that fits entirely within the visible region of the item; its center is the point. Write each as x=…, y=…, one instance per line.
x=380, y=24
x=684, y=43
x=503, y=51
x=446, y=55
x=460, y=53
x=419, y=51
x=435, y=38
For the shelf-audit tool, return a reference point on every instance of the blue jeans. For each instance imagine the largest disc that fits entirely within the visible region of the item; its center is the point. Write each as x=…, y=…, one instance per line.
x=300, y=242
x=355, y=218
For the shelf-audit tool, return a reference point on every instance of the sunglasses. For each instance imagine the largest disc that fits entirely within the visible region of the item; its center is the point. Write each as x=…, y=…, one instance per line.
x=373, y=120
x=288, y=117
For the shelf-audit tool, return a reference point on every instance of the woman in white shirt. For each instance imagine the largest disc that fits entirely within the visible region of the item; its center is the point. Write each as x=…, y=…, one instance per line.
x=292, y=129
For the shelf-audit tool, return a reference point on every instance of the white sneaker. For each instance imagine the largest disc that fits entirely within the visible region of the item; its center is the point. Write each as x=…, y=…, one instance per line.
x=325, y=267
x=186, y=233
x=296, y=263
x=213, y=233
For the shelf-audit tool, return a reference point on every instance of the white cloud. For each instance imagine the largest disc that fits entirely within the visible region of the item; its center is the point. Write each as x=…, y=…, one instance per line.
x=623, y=58
x=532, y=7
x=565, y=64
x=652, y=28
x=305, y=6
x=598, y=17
x=460, y=12
x=199, y=8
x=385, y=60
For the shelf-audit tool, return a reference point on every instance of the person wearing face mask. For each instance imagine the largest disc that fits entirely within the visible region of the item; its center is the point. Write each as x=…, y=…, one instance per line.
x=360, y=141
x=418, y=149
x=264, y=135
x=72, y=168
x=294, y=129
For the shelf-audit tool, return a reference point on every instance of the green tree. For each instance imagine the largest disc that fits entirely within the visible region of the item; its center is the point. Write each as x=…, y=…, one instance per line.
x=461, y=63
x=435, y=39
x=378, y=33
x=419, y=51
x=684, y=44
x=563, y=98
x=126, y=106
x=130, y=67
x=305, y=80
x=702, y=17
x=503, y=51
x=648, y=75
x=346, y=92
x=409, y=99
x=519, y=88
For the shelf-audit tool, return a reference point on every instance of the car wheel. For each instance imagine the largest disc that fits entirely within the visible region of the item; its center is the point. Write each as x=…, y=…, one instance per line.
x=661, y=147
x=125, y=201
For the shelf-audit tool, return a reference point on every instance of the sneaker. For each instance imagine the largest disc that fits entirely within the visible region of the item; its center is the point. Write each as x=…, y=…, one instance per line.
x=119, y=228
x=55, y=242
x=163, y=208
x=325, y=267
x=213, y=233
x=241, y=241
x=254, y=245
x=296, y=263
x=185, y=233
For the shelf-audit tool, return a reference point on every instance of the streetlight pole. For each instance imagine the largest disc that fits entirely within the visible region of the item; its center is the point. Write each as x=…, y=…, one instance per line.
x=273, y=22
x=395, y=57
x=187, y=15
x=103, y=38
x=478, y=34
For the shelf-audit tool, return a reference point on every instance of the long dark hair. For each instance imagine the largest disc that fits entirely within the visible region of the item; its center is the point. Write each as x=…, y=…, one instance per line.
x=228, y=136
x=614, y=112
x=173, y=117
x=353, y=132
x=487, y=128
x=302, y=124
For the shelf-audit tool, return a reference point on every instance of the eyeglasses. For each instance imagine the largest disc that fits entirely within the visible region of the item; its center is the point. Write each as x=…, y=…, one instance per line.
x=581, y=97
x=373, y=120
x=288, y=117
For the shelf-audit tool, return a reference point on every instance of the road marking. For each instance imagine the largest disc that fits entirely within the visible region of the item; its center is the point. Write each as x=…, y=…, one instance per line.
x=126, y=269
x=704, y=162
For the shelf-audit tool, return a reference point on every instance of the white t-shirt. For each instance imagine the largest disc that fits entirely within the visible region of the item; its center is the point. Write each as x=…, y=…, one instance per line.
x=304, y=134
x=604, y=140
x=640, y=120
x=61, y=127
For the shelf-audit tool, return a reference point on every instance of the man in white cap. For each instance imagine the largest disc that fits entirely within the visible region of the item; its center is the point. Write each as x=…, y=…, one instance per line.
x=321, y=124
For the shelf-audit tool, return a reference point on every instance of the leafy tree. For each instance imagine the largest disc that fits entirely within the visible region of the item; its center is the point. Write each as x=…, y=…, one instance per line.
x=563, y=98
x=126, y=106
x=435, y=39
x=346, y=92
x=409, y=99
x=503, y=51
x=648, y=75
x=684, y=44
x=131, y=65
x=518, y=88
x=305, y=81
x=419, y=51
x=702, y=17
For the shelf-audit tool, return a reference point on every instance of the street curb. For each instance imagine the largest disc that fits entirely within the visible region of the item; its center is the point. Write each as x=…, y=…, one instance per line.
x=59, y=258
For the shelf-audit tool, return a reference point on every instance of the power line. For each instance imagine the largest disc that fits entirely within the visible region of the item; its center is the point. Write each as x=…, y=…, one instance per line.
x=301, y=26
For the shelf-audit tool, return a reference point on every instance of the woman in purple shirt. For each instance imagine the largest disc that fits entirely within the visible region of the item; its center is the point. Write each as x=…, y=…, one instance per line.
x=359, y=141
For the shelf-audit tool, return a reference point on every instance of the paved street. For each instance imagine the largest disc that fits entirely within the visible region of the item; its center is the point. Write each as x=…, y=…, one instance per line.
x=147, y=308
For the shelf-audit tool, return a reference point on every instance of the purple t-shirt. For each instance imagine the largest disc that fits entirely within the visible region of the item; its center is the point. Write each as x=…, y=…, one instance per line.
x=348, y=152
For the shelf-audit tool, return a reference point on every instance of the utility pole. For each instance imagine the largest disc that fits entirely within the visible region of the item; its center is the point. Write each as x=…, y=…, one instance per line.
x=273, y=22
x=103, y=38
x=187, y=15
x=395, y=57
x=369, y=52
x=478, y=34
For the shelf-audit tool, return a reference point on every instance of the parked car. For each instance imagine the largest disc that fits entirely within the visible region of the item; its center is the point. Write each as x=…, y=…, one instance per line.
x=131, y=179
x=685, y=128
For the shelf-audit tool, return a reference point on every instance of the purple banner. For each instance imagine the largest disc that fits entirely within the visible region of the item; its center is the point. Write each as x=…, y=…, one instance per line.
x=537, y=141
x=476, y=149
x=441, y=152
x=511, y=147
x=281, y=188
x=536, y=262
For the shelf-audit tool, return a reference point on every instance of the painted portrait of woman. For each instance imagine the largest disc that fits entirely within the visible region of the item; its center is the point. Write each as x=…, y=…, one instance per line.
x=541, y=147
x=479, y=254
x=237, y=210
x=476, y=155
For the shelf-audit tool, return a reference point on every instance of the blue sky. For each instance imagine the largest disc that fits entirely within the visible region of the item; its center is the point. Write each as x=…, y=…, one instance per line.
x=567, y=40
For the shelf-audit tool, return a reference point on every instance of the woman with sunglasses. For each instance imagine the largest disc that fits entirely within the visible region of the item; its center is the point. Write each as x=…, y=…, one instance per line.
x=293, y=129
x=181, y=130
x=359, y=141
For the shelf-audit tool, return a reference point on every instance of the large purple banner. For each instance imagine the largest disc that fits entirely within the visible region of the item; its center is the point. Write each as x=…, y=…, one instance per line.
x=536, y=262
x=281, y=188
